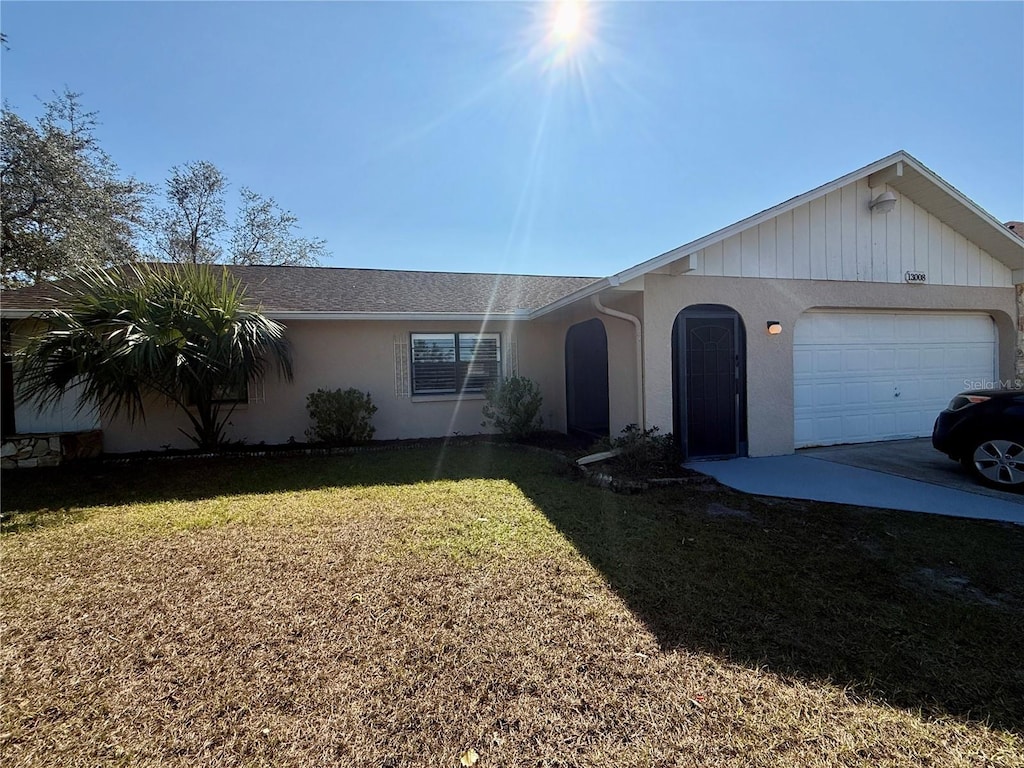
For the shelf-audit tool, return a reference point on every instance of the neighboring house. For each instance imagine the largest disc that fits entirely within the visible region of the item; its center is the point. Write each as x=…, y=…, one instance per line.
x=848, y=314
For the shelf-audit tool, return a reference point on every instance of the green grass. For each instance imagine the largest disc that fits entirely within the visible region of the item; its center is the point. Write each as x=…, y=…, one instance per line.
x=398, y=608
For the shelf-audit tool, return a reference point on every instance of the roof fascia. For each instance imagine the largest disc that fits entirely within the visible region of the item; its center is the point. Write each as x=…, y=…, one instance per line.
x=961, y=198
x=400, y=316
x=21, y=314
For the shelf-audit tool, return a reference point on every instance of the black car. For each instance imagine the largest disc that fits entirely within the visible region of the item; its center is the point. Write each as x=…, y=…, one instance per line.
x=984, y=430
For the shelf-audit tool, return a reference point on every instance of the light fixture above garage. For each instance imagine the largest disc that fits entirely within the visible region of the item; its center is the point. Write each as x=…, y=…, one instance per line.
x=884, y=203
x=774, y=327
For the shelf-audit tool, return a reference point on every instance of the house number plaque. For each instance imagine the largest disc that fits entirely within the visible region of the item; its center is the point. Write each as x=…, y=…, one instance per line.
x=915, y=277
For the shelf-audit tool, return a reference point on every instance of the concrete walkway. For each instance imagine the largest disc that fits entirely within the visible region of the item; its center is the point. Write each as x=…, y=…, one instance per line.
x=817, y=479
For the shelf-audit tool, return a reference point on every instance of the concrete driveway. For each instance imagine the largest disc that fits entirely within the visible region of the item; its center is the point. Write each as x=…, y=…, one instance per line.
x=904, y=474
x=914, y=459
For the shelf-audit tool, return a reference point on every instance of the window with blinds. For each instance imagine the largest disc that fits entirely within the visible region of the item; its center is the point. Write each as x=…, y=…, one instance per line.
x=236, y=393
x=449, y=363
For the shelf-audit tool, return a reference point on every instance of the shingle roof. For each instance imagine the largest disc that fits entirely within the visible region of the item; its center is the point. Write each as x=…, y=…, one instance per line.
x=336, y=289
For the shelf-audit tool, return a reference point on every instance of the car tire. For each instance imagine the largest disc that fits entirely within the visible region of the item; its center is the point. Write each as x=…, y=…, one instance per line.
x=997, y=462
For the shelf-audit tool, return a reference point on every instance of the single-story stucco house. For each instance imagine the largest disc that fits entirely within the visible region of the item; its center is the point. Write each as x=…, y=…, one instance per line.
x=851, y=313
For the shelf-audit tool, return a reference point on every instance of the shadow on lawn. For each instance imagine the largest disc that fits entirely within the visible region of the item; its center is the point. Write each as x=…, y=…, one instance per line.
x=902, y=608
x=872, y=601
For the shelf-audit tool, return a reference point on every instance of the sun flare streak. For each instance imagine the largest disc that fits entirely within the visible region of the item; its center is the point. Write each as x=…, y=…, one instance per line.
x=568, y=20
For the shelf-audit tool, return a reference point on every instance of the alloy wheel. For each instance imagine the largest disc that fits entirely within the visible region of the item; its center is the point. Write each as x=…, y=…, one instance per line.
x=1001, y=462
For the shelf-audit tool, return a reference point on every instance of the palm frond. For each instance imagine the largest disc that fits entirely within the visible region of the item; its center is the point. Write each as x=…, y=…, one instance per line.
x=181, y=331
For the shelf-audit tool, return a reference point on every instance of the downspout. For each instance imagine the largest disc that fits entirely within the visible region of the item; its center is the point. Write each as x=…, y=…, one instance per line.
x=640, y=410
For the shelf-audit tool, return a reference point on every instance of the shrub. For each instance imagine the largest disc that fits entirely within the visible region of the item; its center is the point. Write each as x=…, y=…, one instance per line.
x=513, y=407
x=643, y=450
x=340, y=416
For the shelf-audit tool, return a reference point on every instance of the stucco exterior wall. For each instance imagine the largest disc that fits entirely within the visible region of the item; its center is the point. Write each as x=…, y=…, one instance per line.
x=362, y=354
x=770, y=358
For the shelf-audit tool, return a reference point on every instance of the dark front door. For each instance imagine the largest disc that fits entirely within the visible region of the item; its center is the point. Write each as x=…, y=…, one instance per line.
x=586, y=379
x=711, y=391
x=709, y=382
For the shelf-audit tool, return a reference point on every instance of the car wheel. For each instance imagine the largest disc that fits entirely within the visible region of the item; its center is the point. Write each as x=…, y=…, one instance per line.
x=998, y=463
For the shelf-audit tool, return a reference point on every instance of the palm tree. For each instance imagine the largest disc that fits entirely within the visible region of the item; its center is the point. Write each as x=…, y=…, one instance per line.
x=186, y=332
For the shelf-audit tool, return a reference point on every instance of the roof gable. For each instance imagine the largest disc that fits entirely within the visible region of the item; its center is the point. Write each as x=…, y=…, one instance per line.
x=904, y=174
x=837, y=237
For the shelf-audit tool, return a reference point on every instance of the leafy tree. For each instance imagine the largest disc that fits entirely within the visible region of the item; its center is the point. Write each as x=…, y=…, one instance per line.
x=263, y=234
x=64, y=205
x=185, y=332
x=188, y=230
x=193, y=227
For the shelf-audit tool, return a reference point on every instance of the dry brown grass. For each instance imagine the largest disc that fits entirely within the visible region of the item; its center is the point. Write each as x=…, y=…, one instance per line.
x=304, y=612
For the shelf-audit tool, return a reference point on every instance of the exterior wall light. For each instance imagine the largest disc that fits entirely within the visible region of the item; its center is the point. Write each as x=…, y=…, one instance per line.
x=774, y=327
x=884, y=203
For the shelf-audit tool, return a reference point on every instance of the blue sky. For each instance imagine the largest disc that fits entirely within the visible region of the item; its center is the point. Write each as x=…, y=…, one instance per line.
x=461, y=136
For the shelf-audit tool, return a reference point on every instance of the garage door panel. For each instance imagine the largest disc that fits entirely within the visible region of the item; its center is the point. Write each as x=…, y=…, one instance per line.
x=857, y=393
x=883, y=359
x=970, y=359
x=936, y=358
x=883, y=328
x=881, y=391
x=869, y=376
x=883, y=423
x=803, y=397
x=857, y=425
x=831, y=427
x=907, y=391
x=937, y=388
x=910, y=359
x=802, y=359
x=858, y=359
x=911, y=422
x=934, y=329
x=855, y=328
x=828, y=361
x=828, y=395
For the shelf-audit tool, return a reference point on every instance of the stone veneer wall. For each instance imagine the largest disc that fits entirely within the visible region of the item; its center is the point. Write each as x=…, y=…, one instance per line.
x=1017, y=227
x=1019, y=368
x=26, y=451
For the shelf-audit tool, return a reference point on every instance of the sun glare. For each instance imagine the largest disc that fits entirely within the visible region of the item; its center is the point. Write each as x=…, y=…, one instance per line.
x=568, y=20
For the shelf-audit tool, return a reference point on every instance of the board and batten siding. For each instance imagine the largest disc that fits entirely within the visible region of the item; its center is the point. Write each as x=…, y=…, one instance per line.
x=836, y=237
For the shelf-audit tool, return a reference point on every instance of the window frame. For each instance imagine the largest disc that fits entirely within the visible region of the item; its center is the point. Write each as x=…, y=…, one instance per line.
x=460, y=366
x=225, y=396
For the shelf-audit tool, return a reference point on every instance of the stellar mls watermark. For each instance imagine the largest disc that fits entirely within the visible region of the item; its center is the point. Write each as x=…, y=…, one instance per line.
x=993, y=384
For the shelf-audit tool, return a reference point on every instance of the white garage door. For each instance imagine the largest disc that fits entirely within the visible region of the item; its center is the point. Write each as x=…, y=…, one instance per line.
x=864, y=376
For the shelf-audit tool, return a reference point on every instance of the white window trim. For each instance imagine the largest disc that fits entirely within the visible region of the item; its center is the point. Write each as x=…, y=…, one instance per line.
x=455, y=336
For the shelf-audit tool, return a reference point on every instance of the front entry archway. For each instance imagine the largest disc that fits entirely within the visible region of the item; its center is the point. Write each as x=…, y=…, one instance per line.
x=586, y=379
x=709, y=382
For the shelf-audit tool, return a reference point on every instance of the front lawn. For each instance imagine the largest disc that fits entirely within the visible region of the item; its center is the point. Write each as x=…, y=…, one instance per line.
x=425, y=606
